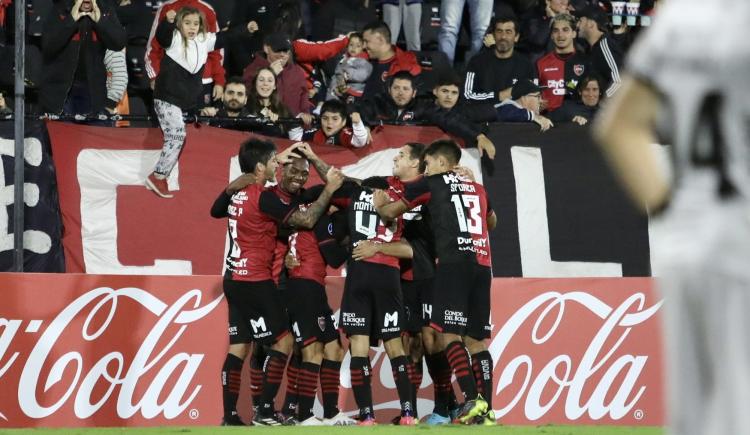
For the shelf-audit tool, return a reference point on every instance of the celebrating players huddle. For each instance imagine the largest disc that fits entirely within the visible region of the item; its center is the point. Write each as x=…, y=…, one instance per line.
x=416, y=248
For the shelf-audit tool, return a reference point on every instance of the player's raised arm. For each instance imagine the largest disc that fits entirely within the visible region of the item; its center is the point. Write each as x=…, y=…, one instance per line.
x=307, y=218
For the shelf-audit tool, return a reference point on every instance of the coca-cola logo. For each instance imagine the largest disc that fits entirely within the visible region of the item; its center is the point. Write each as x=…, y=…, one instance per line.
x=156, y=380
x=560, y=356
x=597, y=370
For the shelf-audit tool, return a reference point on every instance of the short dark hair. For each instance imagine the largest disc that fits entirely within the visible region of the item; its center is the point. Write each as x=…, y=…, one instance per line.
x=357, y=35
x=505, y=19
x=403, y=75
x=334, y=106
x=446, y=148
x=254, y=151
x=235, y=80
x=416, y=149
x=379, y=27
x=448, y=79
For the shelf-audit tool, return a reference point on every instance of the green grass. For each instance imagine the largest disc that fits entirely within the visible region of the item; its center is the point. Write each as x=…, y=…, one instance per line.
x=377, y=430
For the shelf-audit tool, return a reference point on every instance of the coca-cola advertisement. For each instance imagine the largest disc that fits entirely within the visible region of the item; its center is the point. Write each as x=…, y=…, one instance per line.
x=98, y=350
x=93, y=350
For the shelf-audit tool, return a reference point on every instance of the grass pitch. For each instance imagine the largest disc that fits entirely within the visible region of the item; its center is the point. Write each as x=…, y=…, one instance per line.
x=376, y=430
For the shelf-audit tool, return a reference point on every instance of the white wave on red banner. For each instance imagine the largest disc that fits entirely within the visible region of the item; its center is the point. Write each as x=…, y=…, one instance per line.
x=113, y=225
x=92, y=350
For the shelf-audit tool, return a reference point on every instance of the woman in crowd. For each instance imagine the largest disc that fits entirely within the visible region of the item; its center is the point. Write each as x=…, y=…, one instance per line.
x=583, y=108
x=263, y=101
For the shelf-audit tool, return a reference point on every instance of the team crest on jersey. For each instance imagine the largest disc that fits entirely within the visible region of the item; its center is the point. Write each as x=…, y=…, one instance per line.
x=384, y=76
x=322, y=323
x=408, y=116
x=578, y=69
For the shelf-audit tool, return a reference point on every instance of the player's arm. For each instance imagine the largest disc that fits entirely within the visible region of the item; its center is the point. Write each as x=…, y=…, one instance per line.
x=386, y=209
x=219, y=208
x=416, y=193
x=367, y=248
x=307, y=218
x=625, y=130
x=491, y=221
x=320, y=166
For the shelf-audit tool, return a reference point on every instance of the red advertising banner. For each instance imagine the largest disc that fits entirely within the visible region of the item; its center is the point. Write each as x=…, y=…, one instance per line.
x=94, y=350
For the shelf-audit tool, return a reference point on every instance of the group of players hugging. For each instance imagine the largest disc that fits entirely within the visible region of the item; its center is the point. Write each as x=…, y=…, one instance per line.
x=417, y=256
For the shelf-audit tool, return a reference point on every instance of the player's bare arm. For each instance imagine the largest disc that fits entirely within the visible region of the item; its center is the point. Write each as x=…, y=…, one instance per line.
x=386, y=209
x=624, y=130
x=367, y=248
x=320, y=166
x=307, y=218
x=491, y=221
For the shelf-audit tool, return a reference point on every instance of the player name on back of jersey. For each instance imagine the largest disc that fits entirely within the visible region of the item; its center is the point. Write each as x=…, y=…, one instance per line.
x=468, y=212
x=364, y=203
x=458, y=184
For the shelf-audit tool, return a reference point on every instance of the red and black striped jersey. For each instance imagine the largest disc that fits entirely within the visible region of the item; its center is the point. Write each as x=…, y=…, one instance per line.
x=459, y=210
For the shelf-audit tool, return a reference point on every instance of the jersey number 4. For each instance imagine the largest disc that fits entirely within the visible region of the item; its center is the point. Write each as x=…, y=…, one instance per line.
x=470, y=222
x=370, y=228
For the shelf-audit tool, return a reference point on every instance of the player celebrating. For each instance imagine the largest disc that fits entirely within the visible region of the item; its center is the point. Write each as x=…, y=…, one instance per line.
x=461, y=218
x=372, y=305
x=251, y=293
x=307, y=304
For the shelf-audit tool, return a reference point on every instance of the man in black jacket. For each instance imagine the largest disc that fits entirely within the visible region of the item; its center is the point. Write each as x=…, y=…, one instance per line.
x=76, y=35
x=400, y=106
x=233, y=105
x=605, y=55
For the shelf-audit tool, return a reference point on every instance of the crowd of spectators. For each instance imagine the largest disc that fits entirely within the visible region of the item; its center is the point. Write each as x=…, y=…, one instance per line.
x=456, y=64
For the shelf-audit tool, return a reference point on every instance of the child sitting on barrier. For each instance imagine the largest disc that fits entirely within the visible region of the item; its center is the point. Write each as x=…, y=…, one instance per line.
x=333, y=129
x=187, y=43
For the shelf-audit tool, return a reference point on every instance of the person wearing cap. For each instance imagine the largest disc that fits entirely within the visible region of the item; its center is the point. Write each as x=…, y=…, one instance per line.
x=605, y=56
x=290, y=77
x=523, y=105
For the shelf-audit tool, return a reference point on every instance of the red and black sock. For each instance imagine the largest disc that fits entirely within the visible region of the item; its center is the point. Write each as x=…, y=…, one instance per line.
x=416, y=376
x=330, y=372
x=440, y=372
x=292, y=387
x=231, y=374
x=482, y=367
x=401, y=368
x=256, y=374
x=308, y=387
x=274, y=373
x=458, y=358
x=361, y=372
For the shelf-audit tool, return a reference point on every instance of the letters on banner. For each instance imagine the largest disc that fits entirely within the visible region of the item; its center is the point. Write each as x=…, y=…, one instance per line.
x=92, y=350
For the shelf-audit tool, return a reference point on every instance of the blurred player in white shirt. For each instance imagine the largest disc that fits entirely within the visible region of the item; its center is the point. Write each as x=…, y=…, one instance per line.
x=690, y=73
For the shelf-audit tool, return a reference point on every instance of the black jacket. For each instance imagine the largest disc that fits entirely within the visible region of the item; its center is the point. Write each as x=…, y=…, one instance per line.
x=64, y=41
x=175, y=84
x=382, y=109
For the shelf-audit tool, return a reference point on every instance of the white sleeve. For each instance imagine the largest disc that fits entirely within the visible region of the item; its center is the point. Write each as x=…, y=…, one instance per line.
x=117, y=74
x=359, y=134
x=295, y=133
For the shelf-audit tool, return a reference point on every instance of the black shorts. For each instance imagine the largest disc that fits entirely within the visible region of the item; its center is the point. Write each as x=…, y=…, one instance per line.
x=372, y=303
x=417, y=303
x=461, y=299
x=309, y=313
x=256, y=312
